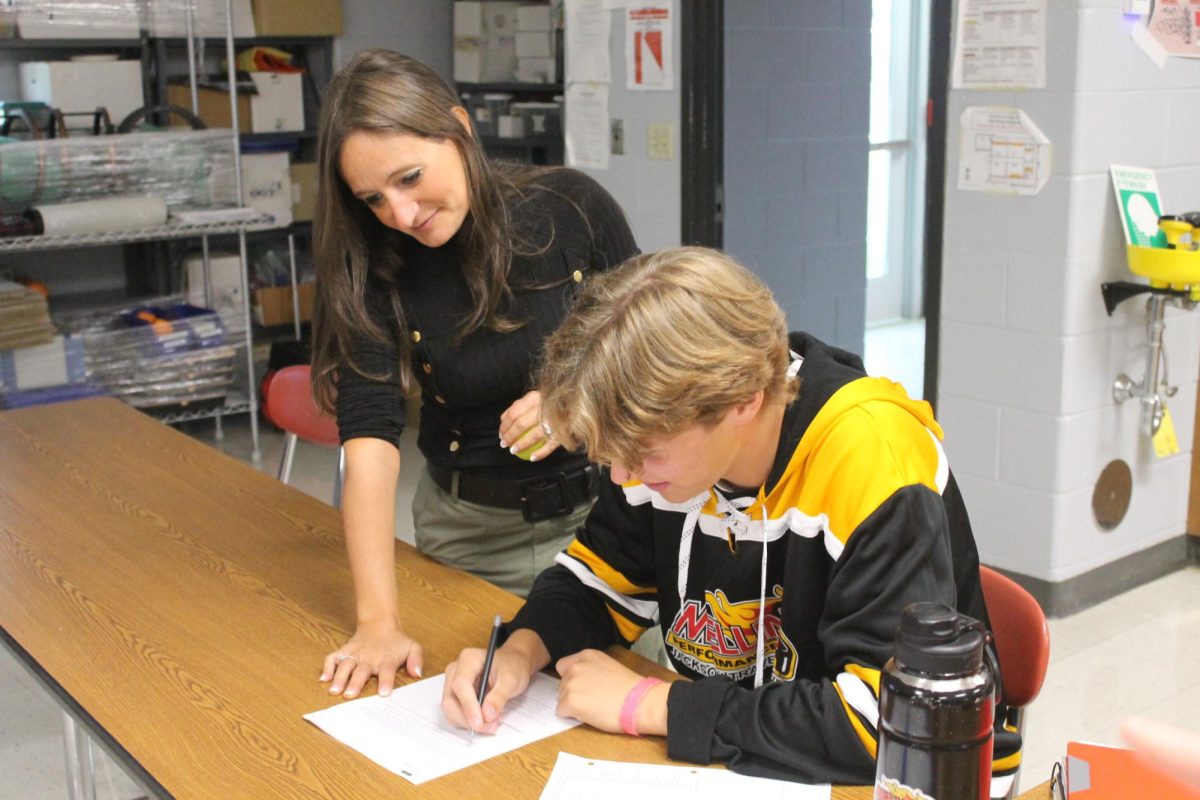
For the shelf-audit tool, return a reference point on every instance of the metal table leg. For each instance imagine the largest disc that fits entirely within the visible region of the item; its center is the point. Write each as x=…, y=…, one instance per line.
x=81, y=772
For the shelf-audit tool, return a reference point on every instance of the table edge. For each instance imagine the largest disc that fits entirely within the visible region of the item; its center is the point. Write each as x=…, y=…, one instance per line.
x=77, y=712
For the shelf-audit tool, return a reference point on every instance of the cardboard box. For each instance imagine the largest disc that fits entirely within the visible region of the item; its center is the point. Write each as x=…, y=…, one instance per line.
x=8, y=20
x=541, y=119
x=70, y=19
x=267, y=185
x=534, y=17
x=510, y=127
x=304, y=191
x=73, y=86
x=298, y=17
x=537, y=70
x=273, y=304
x=225, y=281
x=277, y=106
x=534, y=44
x=168, y=18
x=485, y=41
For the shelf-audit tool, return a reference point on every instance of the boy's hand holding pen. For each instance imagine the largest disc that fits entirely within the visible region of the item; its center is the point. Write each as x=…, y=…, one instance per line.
x=487, y=664
x=495, y=675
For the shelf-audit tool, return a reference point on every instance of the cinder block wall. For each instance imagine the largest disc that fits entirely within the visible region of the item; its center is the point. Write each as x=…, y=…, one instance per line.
x=1028, y=354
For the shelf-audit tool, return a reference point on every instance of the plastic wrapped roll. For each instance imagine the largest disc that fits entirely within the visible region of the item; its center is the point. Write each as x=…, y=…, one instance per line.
x=188, y=169
x=100, y=216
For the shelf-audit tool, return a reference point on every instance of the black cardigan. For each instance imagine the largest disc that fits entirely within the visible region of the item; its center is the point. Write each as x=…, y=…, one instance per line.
x=465, y=387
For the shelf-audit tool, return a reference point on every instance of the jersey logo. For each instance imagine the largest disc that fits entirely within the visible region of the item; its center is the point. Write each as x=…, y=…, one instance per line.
x=891, y=789
x=719, y=637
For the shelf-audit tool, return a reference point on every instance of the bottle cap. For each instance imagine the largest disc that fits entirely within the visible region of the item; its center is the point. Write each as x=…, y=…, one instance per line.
x=934, y=639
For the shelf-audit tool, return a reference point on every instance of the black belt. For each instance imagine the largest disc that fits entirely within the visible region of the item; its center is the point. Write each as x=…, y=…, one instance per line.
x=543, y=497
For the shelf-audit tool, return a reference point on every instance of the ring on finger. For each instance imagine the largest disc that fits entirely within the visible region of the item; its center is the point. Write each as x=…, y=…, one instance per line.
x=546, y=429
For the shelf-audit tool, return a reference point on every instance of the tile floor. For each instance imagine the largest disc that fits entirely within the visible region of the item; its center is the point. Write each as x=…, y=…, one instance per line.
x=1135, y=653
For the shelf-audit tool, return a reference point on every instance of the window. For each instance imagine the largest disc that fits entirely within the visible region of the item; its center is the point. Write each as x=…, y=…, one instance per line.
x=895, y=188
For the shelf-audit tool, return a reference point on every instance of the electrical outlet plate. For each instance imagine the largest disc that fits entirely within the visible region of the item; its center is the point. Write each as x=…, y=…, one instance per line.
x=617, y=138
x=660, y=141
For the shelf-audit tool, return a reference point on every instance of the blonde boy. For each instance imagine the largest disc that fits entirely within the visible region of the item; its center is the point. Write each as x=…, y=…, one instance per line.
x=771, y=508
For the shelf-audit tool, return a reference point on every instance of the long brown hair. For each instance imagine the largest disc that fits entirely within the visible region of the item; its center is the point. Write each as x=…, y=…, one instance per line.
x=381, y=91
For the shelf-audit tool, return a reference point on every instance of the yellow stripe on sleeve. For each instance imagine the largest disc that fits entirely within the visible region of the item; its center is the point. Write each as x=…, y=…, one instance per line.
x=629, y=630
x=601, y=569
x=865, y=674
x=1009, y=762
x=863, y=734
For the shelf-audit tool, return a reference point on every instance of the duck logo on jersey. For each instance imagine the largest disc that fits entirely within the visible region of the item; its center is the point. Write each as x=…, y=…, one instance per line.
x=719, y=637
x=891, y=789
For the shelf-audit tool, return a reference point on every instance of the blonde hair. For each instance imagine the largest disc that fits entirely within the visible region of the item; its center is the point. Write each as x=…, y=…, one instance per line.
x=666, y=341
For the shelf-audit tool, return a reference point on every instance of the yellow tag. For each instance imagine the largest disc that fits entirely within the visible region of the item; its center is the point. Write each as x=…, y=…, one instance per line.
x=1165, y=443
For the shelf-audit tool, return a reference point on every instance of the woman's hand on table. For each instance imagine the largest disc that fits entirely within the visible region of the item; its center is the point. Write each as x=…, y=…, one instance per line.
x=521, y=428
x=373, y=650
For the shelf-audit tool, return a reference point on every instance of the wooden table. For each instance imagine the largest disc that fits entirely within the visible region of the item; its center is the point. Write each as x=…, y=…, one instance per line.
x=178, y=604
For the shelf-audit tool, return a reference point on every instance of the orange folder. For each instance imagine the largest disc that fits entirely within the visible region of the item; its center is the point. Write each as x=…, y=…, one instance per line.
x=1099, y=772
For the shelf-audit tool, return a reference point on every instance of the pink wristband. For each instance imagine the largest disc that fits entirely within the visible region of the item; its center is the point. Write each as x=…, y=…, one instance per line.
x=629, y=707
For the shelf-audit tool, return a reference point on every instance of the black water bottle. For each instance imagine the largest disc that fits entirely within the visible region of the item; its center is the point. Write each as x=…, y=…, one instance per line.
x=936, y=707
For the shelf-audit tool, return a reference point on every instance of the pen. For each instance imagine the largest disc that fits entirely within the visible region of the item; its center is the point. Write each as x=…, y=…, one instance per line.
x=487, y=661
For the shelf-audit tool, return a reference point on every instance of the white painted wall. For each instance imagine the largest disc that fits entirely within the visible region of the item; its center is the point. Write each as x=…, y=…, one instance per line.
x=1028, y=355
x=648, y=189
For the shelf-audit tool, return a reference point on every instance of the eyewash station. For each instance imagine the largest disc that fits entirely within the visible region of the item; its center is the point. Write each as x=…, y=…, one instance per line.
x=1164, y=249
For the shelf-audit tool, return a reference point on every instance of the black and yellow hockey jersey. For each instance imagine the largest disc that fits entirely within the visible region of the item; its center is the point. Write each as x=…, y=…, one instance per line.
x=859, y=517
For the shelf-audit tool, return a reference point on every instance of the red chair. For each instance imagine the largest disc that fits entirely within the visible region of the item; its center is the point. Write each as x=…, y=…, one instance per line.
x=1022, y=642
x=290, y=405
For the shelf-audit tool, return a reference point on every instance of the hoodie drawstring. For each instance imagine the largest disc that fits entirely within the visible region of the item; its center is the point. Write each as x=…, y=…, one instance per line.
x=762, y=604
x=737, y=522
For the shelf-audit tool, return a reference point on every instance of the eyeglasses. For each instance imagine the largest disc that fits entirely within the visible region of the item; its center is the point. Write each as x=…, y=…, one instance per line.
x=1058, y=789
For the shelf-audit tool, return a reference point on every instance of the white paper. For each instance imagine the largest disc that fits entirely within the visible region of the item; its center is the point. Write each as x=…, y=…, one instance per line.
x=407, y=733
x=587, y=123
x=1000, y=44
x=1001, y=150
x=588, y=26
x=576, y=778
x=649, y=47
x=1171, y=32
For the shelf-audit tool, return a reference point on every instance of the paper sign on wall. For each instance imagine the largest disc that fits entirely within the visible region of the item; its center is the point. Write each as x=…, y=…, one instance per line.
x=1000, y=44
x=1136, y=190
x=1001, y=150
x=1170, y=31
x=587, y=29
x=587, y=125
x=649, y=51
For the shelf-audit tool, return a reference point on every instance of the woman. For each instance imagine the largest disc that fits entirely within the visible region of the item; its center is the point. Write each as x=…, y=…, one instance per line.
x=435, y=265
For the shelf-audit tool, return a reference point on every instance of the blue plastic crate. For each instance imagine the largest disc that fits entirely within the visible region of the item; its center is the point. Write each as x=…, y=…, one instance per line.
x=53, y=394
x=176, y=328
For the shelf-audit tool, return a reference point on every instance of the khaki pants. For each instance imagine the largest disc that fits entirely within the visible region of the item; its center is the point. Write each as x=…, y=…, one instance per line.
x=496, y=544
